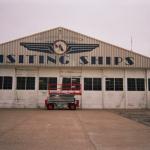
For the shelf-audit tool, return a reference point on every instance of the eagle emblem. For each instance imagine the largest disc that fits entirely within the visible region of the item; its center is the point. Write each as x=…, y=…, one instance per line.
x=59, y=47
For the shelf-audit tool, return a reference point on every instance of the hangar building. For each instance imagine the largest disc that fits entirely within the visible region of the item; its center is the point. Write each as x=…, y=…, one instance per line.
x=111, y=76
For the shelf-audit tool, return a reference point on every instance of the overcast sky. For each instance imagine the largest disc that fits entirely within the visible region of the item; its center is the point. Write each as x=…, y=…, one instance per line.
x=112, y=21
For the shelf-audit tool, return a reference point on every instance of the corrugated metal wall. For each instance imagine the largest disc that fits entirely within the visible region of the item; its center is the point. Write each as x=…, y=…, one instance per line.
x=104, y=50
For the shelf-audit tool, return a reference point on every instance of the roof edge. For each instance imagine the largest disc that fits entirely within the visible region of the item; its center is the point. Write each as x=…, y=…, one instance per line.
x=76, y=33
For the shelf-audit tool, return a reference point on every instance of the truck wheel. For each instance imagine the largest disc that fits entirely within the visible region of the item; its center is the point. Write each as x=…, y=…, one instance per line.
x=50, y=106
x=72, y=106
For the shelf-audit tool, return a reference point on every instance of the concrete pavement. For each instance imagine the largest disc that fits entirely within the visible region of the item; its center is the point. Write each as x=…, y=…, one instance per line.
x=33, y=129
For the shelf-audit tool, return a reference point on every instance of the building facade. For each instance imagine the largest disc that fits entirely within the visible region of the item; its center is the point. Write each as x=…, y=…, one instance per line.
x=111, y=77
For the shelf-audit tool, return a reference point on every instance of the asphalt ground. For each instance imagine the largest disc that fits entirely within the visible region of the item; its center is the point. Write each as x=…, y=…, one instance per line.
x=35, y=129
x=139, y=115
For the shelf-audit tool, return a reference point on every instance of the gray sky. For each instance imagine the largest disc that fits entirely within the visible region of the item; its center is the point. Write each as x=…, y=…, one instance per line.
x=112, y=21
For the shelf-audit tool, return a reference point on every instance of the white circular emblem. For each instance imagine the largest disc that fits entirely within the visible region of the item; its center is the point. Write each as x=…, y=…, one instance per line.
x=60, y=47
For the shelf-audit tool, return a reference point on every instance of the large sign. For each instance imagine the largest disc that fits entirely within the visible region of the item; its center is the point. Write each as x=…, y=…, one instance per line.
x=59, y=52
